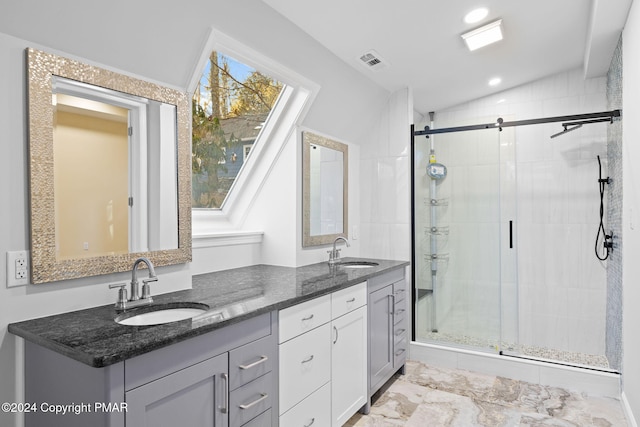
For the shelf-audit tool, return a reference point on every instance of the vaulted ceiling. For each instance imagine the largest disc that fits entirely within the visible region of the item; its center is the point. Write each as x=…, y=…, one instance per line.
x=420, y=39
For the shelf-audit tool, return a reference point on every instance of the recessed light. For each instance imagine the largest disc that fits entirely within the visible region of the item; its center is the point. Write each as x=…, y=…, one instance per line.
x=495, y=81
x=484, y=35
x=476, y=15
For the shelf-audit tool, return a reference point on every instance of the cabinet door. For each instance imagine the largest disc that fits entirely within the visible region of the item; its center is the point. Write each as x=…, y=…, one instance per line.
x=348, y=365
x=380, y=336
x=195, y=396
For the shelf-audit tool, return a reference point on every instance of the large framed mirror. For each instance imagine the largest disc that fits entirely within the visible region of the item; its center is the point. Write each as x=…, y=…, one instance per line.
x=324, y=189
x=110, y=170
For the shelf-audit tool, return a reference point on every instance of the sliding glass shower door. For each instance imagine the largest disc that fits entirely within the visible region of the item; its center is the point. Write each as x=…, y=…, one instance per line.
x=465, y=266
x=504, y=230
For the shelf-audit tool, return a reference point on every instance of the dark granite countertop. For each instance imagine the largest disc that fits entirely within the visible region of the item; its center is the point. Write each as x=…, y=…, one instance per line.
x=91, y=336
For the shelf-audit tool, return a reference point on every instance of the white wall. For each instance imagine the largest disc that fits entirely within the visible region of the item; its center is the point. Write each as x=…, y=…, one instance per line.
x=344, y=107
x=631, y=206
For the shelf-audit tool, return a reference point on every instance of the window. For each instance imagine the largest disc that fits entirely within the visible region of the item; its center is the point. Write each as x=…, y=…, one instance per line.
x=231, y=106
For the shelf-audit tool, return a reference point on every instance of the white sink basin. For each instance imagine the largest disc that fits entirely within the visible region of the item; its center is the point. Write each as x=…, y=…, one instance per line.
x=358, y=264
x=159, y=317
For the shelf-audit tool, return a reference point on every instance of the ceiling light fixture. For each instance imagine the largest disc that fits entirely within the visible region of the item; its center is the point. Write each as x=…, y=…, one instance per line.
x=476, y=15
x=484, y=35
x=495, y=81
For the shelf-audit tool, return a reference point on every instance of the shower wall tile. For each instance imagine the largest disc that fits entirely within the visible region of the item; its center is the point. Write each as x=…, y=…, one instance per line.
x=614, y=214
x=385, y=168
x=368, y=199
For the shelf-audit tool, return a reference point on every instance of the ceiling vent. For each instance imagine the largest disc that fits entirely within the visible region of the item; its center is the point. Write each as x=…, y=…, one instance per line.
x=373, y=61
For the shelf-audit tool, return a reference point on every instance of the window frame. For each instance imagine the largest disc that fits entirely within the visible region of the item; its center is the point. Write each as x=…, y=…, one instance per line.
x=214, y=227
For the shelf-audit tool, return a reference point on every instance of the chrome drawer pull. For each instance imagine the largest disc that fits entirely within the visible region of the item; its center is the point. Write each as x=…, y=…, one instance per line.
x=254, y=364
x=308, y=359
x=399, y=352
x=399, y=291
x=400, y=332
x=262, y=397
x=336, y=340
x=225, y=394
x=400, y=311
x=313, y=420
x=309, y=317
x=351, y=300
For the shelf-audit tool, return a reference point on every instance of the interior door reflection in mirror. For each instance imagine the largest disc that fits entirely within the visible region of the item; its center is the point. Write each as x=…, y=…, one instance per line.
x=115, y=163
x=326, y=195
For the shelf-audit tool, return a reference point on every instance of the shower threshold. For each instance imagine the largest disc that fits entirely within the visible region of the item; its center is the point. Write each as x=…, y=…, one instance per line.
x=520, y=350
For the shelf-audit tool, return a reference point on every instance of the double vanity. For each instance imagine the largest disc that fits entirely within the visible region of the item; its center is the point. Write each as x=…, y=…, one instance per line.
x=260, y=346
x=254, y=346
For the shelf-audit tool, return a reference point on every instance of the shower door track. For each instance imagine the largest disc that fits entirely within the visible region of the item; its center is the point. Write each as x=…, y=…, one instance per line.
x=576, y=119
x=555, y=362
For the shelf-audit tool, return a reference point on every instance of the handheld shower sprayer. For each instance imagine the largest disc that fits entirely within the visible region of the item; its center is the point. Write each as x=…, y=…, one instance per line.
x=608, y=238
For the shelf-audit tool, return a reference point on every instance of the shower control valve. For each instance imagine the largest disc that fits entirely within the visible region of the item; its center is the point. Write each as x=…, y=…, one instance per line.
x=608, y=241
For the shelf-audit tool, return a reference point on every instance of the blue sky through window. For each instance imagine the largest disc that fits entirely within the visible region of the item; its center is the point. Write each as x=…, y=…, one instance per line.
x=237, y=69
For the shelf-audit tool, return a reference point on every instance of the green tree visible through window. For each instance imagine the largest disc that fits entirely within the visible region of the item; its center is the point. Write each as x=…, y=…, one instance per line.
x=229, y=108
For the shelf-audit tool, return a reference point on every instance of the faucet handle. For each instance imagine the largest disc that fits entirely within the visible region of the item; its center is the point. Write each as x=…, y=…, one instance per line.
x=122, y=294
x=146, y=289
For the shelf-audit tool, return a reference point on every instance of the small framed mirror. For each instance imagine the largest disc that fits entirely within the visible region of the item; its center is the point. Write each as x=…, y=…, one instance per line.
x=324, y=189
x=110, y=169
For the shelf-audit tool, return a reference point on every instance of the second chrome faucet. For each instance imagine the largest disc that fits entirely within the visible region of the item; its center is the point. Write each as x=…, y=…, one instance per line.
x=334, y=254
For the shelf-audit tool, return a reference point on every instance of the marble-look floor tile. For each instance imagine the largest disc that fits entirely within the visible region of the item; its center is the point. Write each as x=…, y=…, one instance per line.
x=439, y=397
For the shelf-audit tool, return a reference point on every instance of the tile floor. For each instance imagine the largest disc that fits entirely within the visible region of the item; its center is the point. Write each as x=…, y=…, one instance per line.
x=440, y=397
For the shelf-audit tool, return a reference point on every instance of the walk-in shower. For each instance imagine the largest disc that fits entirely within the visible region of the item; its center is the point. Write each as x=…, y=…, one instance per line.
x=503, y=237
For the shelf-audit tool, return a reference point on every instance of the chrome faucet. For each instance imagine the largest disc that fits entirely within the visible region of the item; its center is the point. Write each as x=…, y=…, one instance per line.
x=135, y=299
x=146, y=293
x=334, y=254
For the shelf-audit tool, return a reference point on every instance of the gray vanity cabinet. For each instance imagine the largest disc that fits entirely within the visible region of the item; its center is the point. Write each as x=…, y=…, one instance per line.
x=194, y=396
x=221, y=378
x=387, y=327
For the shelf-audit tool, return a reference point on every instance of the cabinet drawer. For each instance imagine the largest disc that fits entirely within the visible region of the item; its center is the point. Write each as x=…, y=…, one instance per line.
x=399, y=312
x=346, y=300
x=251, y=361
x=314, y=410
x=262, y=420
x=305, y=365
x=301, y=318
x=400, y=291
x=399, y=354
x=399, y=333
x=250, y=400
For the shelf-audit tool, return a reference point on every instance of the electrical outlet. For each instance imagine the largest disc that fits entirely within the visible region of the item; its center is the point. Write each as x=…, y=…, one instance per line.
x=17, y=268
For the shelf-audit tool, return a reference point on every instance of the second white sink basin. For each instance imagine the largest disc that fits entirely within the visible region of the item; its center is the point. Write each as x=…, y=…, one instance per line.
x=358, y=264
x=160, y=316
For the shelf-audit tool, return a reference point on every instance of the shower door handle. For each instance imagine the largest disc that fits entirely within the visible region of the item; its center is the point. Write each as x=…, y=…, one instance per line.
x=510, y=234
